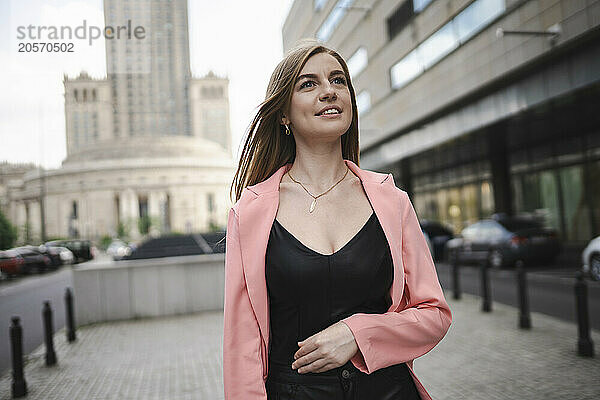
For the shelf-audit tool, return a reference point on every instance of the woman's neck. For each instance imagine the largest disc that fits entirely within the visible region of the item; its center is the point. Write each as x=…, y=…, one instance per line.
x=318, y=172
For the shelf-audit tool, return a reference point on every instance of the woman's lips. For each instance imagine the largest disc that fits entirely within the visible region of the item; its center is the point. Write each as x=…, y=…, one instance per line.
x=330, y=116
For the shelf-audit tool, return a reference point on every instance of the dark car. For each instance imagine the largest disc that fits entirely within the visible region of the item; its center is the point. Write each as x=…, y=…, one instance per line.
x=11, y=263
x=53, y=253
x=82, y=249
x=503, y=240
x=216, y=240
x=170, y=246
x=438, y=235
x=33, y=260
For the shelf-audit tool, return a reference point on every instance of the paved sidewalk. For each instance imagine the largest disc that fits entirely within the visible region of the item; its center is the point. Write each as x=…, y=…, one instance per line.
x=484, y=356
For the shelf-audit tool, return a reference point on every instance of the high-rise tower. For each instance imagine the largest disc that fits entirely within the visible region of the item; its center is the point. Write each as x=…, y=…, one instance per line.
x=150, y=76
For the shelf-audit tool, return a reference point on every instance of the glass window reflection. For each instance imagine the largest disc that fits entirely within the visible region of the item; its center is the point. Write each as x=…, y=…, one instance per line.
x=358, y=61
x=470, y=21
x=437, y=45
x=473, y=18
x=363, y=102
x=419, y=5
x=333, y=19
x=405, y=70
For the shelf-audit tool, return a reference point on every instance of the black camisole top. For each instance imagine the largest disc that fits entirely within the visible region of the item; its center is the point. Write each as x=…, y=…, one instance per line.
x=309, y=291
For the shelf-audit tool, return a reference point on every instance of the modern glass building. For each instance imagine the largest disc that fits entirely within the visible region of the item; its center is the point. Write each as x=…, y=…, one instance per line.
x=476, y=106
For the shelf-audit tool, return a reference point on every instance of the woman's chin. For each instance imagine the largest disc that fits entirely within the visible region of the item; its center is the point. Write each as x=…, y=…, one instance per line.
x=332, y=128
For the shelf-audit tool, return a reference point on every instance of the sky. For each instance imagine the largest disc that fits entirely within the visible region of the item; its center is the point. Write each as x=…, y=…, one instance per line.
x=239, y=39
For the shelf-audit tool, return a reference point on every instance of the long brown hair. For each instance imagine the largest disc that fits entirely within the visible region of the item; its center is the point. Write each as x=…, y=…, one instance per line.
x=267, y=147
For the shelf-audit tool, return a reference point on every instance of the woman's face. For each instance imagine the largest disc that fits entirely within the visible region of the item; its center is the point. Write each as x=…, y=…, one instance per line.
x=321, y=85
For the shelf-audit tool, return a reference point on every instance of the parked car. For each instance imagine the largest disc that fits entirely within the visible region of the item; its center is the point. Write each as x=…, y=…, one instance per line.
x=33, y=260
x=118, y=249
x=591, y=259
x=11, y=263
x=216, y=240
x=82, y=249
x=57, y=255
x=503, y=240
x=438, y=234
x=66, y=255
x=429, y=245
x=63, y=255
x=170, y=246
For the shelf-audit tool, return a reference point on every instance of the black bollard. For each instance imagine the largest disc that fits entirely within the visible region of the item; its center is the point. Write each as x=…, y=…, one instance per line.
x=486, y=306
x=49, y=334
x=19, y=386
x=71, y=336
x=524, y=317
x=456, y=276
x=585, y=345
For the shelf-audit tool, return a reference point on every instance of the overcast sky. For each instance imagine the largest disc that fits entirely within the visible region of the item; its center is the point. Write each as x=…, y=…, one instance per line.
x=235, y=38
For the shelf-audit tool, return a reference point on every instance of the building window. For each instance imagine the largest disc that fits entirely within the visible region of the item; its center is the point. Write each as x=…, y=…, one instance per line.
x=211, y=201
x=419, y=5
x=333, y=19
x=363, y=102
x=75, y=95
x=95, y=123
x=470, y=21
x=473, y=18
x=84, y=95
x=358, y=61
x=405, y=70
x=74, y=210
x=403, y=14
x=400, y=18
x=319, y=4
x=94, y=94
x=76, y=128
x=438, y=45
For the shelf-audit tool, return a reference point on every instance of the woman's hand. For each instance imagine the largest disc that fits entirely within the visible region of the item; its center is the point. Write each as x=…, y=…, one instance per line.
x=328, y=349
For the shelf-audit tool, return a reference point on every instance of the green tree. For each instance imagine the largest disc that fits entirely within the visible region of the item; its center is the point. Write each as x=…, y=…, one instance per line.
x=8, y=233
x=144, y=224
x=122, y=230
x=105, y=241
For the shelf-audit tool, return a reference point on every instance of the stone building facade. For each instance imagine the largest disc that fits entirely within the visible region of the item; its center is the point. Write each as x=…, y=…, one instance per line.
x=148, y=142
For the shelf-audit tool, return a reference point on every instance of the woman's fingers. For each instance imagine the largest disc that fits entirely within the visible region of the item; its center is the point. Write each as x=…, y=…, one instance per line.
x=314, y=366
x=305, y=349
x=307, y=359
x=327, y=367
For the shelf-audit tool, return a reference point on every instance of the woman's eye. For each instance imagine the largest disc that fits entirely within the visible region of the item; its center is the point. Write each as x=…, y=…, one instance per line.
x=341, y=81
x=304, y=84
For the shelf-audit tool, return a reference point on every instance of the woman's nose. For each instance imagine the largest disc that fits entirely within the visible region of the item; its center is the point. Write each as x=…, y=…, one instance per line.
x=328, y=93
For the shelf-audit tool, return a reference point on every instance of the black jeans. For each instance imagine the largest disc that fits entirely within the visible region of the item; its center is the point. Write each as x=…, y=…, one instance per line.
x=342, y=383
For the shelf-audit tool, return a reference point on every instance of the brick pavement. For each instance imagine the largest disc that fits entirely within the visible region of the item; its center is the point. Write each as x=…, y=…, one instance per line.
x=484, y=356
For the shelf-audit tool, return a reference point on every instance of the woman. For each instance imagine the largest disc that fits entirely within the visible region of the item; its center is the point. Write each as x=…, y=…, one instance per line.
x=320, y=304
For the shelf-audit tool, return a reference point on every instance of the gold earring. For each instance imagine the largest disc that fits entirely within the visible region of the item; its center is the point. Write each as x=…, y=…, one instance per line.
x=287, y=130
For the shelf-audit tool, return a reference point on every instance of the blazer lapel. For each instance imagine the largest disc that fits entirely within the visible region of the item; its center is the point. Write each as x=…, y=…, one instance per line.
x=257, y=211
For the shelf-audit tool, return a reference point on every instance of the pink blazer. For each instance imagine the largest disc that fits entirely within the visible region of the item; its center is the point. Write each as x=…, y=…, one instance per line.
x=417, y=320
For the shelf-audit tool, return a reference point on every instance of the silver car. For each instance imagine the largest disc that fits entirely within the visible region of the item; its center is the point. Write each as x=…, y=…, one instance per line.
x=591, y=259
x=118, y=249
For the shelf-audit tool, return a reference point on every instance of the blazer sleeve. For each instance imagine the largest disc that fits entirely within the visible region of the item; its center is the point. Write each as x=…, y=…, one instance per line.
x=421, y=320
x=242, y=363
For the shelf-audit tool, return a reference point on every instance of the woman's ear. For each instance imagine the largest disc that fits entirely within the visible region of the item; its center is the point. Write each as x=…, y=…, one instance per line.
x=283, y=119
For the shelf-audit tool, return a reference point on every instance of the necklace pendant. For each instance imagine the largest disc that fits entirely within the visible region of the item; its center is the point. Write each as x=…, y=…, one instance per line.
x=312, y=205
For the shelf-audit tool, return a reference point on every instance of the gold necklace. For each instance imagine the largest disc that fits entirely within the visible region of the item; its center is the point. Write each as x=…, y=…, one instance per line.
x=314, y=202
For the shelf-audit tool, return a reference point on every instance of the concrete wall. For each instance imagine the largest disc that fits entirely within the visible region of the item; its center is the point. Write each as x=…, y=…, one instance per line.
x=148, y=288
